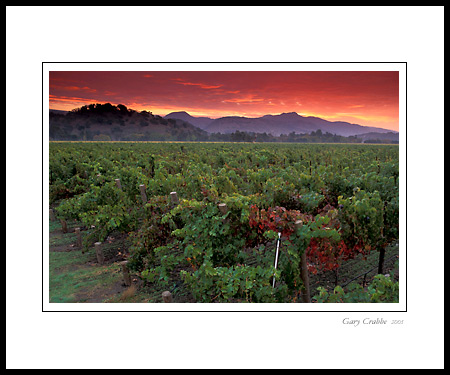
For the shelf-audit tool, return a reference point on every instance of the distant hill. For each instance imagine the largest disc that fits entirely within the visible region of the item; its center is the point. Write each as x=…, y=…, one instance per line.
x=58, y=111
x=107, y=122
x=199, y=122
x=118, y=123
x=276, y=125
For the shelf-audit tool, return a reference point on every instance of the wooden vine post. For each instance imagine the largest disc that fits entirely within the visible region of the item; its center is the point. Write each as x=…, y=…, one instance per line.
x=167, y=296
x=174, y=198
x=118, y=184
x=382, y=251
x=99, y=252
x=306, y=298
x=223, y=210
x=52, y=215
x=64, y=226
x=78, y=233
x=126, y=273
x=143, y=194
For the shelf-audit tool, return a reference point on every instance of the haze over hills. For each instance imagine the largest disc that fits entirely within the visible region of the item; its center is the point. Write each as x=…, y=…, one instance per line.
x=107, y=122
x=276, y=125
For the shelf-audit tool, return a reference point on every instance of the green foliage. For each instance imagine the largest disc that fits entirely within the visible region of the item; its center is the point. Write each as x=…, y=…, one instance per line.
x=238, y=283
x=346, y=196
x=309, y=201
x=104, y=209
x=151, y=237
x=361, y=218
x=381, y=289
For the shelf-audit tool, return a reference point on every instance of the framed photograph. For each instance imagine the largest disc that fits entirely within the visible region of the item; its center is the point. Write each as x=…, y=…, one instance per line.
x=225, y=186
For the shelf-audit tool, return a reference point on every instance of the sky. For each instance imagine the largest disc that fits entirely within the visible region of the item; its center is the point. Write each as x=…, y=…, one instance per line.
x=368, y=98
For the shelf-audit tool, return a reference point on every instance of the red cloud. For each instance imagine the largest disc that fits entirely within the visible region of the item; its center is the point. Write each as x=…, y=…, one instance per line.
x=368, y=98
x=201, y=85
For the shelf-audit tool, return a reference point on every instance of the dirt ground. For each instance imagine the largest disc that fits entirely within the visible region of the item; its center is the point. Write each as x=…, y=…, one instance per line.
x=83, y=279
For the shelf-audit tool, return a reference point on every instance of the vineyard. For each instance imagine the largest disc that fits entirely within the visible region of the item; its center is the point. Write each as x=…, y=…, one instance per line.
x=235, y=222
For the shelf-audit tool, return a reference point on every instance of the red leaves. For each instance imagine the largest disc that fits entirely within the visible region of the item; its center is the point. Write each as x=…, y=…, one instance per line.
x=322, y=253
x=277, y=219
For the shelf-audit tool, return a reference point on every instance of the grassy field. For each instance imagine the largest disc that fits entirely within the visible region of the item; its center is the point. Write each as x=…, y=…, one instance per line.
x=75, y=276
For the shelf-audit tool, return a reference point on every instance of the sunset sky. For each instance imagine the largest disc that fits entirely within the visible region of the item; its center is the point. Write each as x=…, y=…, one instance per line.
x=365, y=98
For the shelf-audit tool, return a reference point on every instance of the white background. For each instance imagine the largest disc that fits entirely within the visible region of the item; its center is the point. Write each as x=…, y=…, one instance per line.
x=37, y=339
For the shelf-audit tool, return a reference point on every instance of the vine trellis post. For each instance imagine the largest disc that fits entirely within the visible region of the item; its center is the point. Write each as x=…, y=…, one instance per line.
x=99, y=253
x=306, y=297
x=143, y=194
x=174, y=198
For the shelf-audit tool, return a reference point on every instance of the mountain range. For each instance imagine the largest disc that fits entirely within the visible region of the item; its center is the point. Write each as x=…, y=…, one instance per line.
x=119, y=123
x=284, y=123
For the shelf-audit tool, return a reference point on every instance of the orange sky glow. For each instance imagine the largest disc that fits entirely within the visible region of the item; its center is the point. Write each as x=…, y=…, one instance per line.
x=369, y=98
